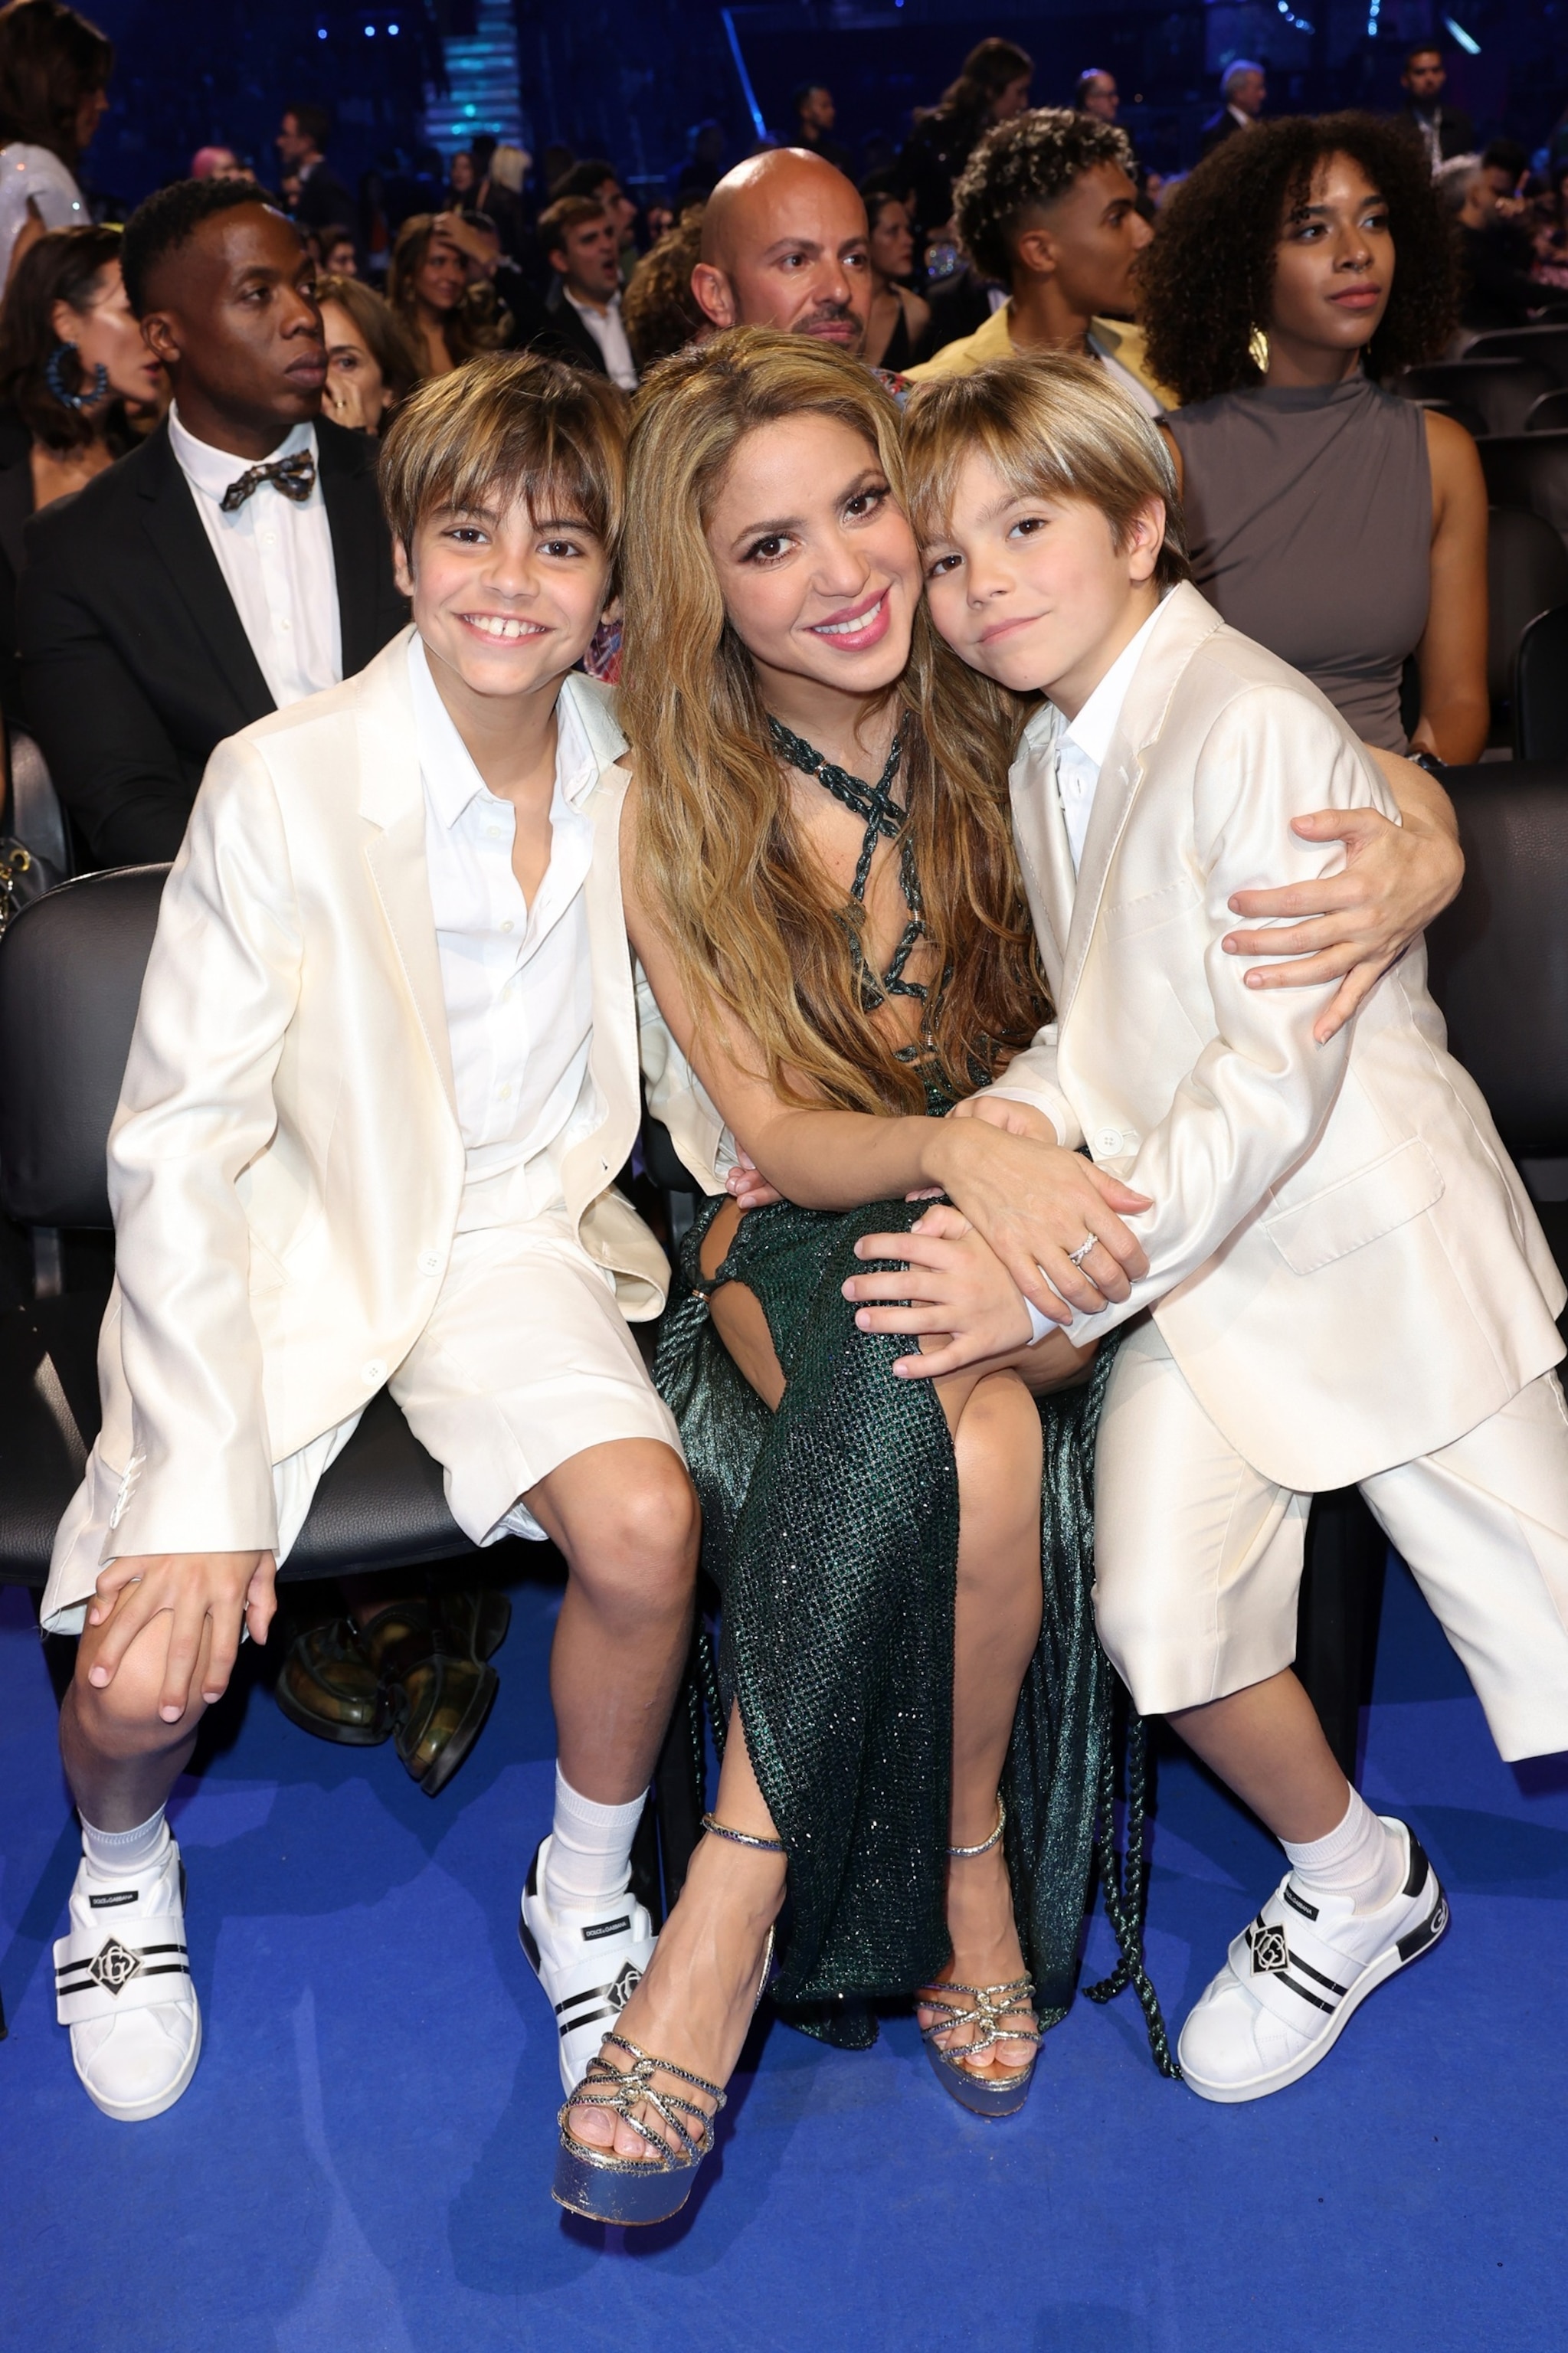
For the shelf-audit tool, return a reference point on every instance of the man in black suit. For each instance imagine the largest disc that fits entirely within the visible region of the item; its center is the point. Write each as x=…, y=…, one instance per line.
x=323, y=202
x=1442, y=131
x=235, y=563
x=582, y=318
x=1246, y=92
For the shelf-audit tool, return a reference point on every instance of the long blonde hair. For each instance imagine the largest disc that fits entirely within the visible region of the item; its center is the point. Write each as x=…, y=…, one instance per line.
x=757, y=930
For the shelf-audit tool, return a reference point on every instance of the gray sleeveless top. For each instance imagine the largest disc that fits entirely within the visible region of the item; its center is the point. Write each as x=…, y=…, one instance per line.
x=1309, y=527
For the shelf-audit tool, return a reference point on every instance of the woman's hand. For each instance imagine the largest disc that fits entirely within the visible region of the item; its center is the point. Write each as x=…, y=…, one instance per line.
x=1036, y=1204
x=1356, y=923
x=230, y=1588
x=344, y=401
x=1012, y=1118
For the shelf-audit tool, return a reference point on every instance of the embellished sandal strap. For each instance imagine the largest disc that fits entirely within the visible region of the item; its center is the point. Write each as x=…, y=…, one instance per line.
x=710, y=1822
x=986, y=1845
x=993, y=2004
x=622, y=2090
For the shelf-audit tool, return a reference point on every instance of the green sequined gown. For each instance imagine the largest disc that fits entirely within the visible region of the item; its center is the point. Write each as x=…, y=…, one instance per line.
x=831, y=1530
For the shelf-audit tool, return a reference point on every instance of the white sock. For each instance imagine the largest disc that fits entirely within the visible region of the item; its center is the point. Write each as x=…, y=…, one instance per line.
x=591, y=1849
x=1361, y=1860
x=115, y=1855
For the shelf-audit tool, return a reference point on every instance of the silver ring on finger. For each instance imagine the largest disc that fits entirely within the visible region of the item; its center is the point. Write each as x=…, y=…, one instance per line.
x=1076, y=1257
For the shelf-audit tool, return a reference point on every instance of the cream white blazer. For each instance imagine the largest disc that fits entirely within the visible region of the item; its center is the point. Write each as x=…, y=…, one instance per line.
x=1343, y=1261
x=285, y=1165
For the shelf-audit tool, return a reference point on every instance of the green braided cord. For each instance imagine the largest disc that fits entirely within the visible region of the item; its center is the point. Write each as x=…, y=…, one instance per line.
x=1125, y=1899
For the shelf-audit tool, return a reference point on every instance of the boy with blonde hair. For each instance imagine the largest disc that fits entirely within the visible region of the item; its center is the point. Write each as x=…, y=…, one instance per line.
x=1346, y=1285
x=382, y=1078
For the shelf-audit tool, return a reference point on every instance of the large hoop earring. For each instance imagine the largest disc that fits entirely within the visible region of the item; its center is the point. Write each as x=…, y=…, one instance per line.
x=53, y=376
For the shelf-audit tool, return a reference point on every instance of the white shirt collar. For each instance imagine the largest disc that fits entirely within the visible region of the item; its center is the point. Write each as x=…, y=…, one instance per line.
x=452, y=779
x=212, y=471
x=591, y=310
x=1091, y=732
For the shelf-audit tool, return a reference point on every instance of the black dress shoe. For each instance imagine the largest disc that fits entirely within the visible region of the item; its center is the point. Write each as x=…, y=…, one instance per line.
x=416, y=1672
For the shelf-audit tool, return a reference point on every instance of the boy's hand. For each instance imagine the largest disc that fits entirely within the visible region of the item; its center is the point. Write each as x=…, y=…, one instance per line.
x=192, y=1587
x=746, y=1185
x=1396, y=877
x=1036, y=1204
x=963, y=1297
x=1012, y=1118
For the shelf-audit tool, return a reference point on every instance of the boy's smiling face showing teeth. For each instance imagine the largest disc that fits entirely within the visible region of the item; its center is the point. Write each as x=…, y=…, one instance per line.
x=505, y=597
x=1034, y=591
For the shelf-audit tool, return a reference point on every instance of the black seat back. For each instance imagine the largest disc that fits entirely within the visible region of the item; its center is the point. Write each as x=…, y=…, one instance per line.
x=1529, y=470
x=1499, y=953
x=1546, y=346
x=1550, y=414
x=1503, y=390
x=1527, y=574
x=70, y=981
x=1540, y=689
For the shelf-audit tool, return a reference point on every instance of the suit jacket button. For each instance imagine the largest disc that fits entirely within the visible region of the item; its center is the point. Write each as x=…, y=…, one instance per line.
x=372, y=1374
x=1108, y=1142
x=429, y=1262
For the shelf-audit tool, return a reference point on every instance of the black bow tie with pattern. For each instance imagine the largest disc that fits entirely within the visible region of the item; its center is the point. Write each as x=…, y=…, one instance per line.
x=295, y=477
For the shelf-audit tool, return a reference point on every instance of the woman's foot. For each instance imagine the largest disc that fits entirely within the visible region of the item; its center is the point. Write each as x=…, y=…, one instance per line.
x=696, y=2002
x=986, y=1952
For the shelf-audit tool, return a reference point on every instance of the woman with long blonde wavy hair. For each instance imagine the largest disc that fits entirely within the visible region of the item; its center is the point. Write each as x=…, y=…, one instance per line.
x=821, y=891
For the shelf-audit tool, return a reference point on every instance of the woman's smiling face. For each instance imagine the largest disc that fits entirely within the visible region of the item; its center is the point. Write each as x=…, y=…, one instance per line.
x=816, y=563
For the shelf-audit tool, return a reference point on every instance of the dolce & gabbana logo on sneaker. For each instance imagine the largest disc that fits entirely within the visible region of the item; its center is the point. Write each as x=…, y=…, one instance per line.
x=121, y=1895
x=598, y=1928
x=114, y=1966
x=1270, y=1952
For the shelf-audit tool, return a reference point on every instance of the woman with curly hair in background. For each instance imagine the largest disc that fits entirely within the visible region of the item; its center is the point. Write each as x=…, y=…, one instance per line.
x=1295, y=271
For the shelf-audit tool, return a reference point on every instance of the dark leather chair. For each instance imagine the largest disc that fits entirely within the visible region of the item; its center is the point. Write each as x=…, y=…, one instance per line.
x=1540, y=688
x=1550, y=414
x=70, y=979
x=1545, y=346
x=1529, y=470
x=1504, y=391
x=1527, y=575
x=1499, y=962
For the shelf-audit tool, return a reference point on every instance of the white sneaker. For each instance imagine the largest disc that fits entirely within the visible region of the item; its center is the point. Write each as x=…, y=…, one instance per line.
x=1296, y=1974
x=123, y=1985
x=590, y=1964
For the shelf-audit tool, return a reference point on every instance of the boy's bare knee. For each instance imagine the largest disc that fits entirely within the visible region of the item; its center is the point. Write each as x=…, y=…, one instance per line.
x=120, y=1718
x=642, y=1538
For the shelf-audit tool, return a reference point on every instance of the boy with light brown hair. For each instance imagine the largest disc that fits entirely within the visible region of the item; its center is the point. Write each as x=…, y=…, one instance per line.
x=1347, y=1284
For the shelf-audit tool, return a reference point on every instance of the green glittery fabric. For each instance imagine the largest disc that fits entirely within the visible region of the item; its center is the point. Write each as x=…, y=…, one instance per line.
x=831, y=1530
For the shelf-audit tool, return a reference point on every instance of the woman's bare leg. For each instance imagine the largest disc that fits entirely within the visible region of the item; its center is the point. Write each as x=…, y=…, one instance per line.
x=997, y=1445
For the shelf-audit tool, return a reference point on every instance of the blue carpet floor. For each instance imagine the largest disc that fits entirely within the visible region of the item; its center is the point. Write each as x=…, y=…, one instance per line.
x=361, y=2164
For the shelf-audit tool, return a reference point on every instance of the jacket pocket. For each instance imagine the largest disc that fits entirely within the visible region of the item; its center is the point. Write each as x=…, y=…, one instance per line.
x=1152, y=909
x=1358, y=1209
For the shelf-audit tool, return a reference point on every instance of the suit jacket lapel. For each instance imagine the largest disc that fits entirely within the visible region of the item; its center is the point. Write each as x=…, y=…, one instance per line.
x=354, y=521
x=175, y=528
x=392, y=802
x=1185, y=620
x=613, y=1057
x=1040, y=831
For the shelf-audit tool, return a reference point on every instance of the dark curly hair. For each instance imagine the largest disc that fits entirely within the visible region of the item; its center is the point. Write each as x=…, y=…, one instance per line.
x=166, y=221
x=1022, y=165
x=1208, y=278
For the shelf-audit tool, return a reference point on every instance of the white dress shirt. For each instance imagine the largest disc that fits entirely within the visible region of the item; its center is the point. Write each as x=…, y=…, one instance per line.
x=1082, y=744
x=275, y=555
x=608, y=333
x=517, y=978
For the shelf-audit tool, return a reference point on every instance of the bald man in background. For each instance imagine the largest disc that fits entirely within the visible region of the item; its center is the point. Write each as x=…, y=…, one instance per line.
x=784, y=244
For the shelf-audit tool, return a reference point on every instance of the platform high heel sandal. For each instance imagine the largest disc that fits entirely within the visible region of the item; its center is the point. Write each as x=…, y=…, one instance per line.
x=604, y=2187
x=990, y=2095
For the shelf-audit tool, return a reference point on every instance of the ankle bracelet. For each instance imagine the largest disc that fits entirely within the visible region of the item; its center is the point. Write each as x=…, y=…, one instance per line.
x=986, y=1845
x=742, y=1838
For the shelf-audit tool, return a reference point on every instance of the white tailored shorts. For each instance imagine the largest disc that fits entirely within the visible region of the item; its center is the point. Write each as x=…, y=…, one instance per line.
x=526, y=1360
x=1198, y=1556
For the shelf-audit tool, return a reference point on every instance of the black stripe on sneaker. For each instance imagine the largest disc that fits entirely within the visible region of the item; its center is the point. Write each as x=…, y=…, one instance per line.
x=1281, y=1978
x=1419, y=1866
x=570, y=2025
x=589, y=1993
x=1317, y=1974
x=1299, y=1902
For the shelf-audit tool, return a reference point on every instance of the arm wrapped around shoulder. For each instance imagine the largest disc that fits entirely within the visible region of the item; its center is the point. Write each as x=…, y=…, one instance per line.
x=1256, y=1092
x=195, y=1108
